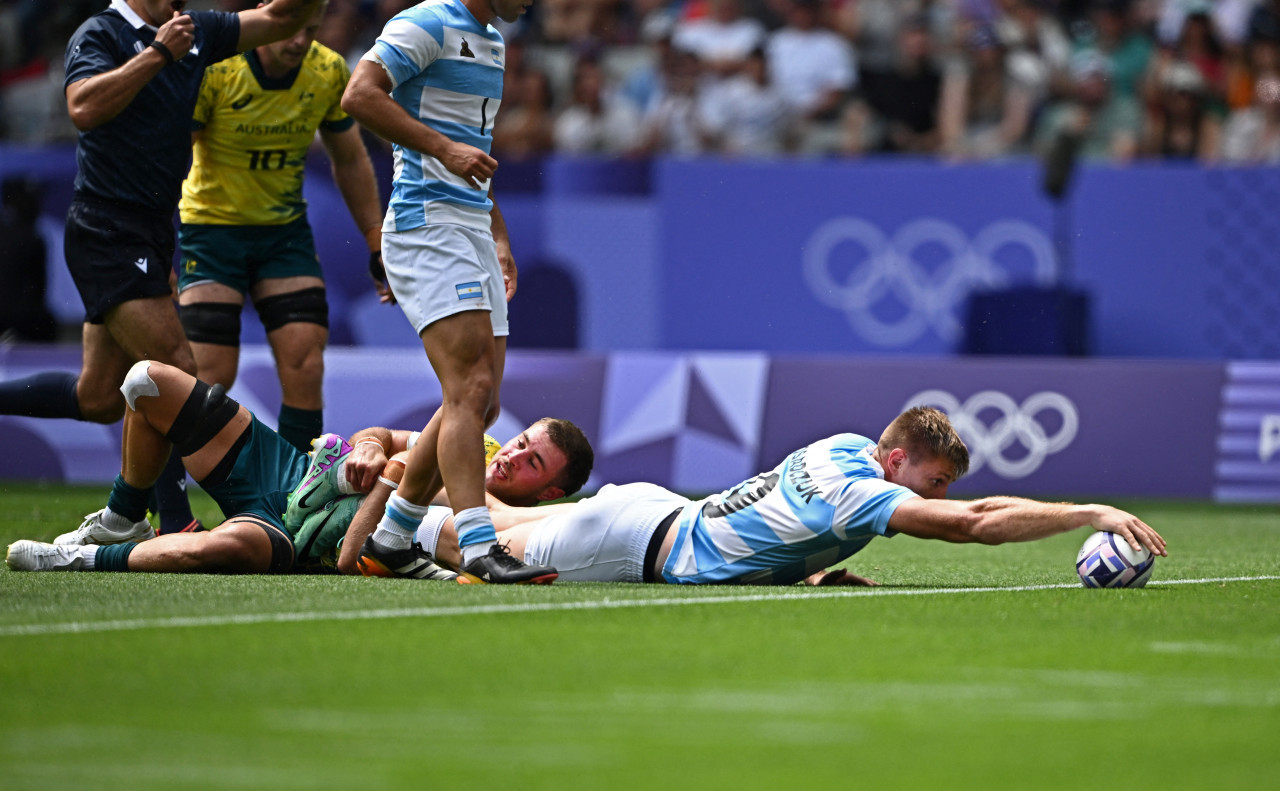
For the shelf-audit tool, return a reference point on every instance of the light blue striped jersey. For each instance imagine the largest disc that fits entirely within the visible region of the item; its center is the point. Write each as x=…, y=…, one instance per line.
x=823, y=503
x=446, y=70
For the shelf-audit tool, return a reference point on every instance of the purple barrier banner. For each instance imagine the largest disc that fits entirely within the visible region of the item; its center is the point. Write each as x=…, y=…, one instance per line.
x=700, y=422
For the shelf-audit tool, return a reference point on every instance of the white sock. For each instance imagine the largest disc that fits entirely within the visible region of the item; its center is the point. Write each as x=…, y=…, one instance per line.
x=115, y=521
x=90, y=554
x=398, y=524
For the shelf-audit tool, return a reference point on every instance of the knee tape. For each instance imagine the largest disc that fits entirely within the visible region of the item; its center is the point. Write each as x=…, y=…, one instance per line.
x=138, y=383
x=205, y=413
x=211, y=322
x=308, y=305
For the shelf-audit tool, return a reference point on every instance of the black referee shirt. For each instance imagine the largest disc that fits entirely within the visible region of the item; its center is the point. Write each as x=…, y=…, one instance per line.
x=141, y=156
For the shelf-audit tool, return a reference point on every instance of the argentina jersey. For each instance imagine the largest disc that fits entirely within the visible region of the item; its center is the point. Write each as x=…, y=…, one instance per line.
x=822, y=504
x=446, y=71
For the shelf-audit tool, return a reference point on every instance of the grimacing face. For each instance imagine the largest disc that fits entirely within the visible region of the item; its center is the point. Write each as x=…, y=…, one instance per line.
x=524, y=469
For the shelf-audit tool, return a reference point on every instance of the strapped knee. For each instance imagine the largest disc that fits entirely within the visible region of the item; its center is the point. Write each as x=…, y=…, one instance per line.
x=211, y=322
x=308, y=305
x=206, y=412
x=138, y=383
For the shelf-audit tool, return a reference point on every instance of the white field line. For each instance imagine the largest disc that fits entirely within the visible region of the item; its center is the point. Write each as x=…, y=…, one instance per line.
x=84, y=627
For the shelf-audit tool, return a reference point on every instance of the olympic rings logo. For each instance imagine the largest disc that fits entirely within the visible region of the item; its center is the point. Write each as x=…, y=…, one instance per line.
x=890, y=278
x=1017, y=423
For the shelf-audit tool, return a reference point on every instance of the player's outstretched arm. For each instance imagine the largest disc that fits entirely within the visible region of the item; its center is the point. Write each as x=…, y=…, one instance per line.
x=998, y=520
x=839, y=577
x=274, y=21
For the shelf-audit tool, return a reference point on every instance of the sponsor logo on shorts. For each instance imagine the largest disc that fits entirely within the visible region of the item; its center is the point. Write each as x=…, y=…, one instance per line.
x=469, y=290
x=141, y=263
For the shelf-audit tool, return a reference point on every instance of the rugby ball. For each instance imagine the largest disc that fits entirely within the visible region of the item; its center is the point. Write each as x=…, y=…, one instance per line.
x=1107, y=561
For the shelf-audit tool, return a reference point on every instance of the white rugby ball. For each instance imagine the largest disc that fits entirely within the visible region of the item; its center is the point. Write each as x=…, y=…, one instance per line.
x=1107, y=561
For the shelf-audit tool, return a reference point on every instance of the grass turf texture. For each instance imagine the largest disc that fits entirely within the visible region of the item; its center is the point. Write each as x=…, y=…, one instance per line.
x=396, y=684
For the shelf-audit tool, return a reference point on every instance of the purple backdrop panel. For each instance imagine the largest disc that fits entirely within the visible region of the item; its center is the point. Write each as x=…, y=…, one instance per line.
x=1034, y=427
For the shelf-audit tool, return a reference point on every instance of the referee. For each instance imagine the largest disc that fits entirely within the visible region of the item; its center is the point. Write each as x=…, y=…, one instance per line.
x=133, y=73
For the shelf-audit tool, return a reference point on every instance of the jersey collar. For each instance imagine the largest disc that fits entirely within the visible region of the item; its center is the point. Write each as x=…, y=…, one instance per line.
x=123, y=9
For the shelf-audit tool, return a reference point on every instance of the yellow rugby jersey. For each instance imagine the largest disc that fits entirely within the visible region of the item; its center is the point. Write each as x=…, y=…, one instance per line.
x=247, y=161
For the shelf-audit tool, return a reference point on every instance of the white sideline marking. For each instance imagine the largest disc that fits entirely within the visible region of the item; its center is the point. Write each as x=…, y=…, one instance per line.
x=85, y=627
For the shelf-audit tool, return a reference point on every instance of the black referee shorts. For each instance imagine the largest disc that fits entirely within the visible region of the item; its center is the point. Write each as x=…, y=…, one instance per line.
x=117, y=254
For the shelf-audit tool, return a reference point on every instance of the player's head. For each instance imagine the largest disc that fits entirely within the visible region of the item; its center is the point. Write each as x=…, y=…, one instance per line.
x=288, y=53
x=549, y=460
x=508, y=10
x=922, y=451
x=157, y=12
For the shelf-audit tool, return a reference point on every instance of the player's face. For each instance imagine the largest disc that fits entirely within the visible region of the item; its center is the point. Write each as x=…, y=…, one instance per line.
x=523, y=471
x=509, y=10
x=926, y=476
x=158, y=12
x=288, y=54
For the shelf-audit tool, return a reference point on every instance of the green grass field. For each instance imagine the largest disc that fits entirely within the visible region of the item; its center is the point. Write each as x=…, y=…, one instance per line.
x=939, y=680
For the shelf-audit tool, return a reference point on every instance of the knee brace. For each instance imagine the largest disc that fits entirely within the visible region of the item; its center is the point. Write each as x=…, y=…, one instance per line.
x=206, y=412
x=211, y=322
x=308, y=305
x=138, y=382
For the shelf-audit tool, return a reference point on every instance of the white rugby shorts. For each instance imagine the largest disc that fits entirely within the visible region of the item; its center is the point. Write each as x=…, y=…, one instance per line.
x=603, y=538
x=436, y=271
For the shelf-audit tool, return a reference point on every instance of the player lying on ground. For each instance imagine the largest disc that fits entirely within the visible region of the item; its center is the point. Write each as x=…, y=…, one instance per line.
x=253, y=474
x=822, y=504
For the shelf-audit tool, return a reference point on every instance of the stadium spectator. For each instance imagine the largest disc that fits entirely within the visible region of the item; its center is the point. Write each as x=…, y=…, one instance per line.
x=1199, y=44
x=1102, y=124
x=749, y=116
x=447, y=254
x=1040, y=50
x=1114, y=32
x=1251, y=135
x=133, y=73
x=596, y=121
x=262, y=485
x=815, y=69
x=1181, y=124
x=986, y=108
x=722, y=39
x=244, y=225
x=525, y=129
x=822, y=504
x=1259, y=58
x=673, y=123
x=906, y=99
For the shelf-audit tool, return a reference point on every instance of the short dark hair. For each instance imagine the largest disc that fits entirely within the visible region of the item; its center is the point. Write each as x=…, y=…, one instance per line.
x=927, y=431
x=579, y=456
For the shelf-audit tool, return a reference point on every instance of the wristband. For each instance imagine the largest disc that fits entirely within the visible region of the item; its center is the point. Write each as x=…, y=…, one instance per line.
x=163, y=50
x=375, y=441
x=376, y=270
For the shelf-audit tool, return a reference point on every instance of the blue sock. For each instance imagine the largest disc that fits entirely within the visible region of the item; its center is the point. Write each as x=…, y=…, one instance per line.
x=127, y=501
x=114, y=557
x=171, y=503
x=399, y=523
x=48, y=394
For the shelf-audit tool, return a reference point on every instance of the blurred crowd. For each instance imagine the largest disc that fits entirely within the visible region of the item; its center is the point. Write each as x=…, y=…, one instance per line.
x=954, y=79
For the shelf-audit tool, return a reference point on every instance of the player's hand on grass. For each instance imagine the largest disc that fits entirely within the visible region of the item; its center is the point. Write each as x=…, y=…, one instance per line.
x=1136, y=532
x=839, y=577
x=177, y=35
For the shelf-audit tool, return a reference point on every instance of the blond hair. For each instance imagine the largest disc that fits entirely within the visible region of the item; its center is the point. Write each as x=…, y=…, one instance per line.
x=924, y=431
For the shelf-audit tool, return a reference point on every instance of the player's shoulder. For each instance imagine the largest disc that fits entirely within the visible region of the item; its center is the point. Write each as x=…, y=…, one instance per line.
x=322, y=59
